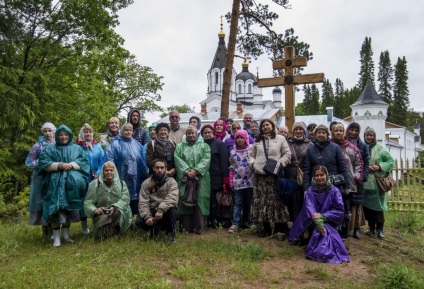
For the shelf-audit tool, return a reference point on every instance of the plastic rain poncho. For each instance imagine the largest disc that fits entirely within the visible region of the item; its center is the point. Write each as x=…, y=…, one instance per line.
x=129, y=157
x=35, y=199
x=100, y=195
x=195, y=156
x=328, y=247
x=63, y=190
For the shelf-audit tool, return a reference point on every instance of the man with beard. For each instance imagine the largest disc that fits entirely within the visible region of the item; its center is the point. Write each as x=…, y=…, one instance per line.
x=158, y=202
x=112, y=132
x=139, y=133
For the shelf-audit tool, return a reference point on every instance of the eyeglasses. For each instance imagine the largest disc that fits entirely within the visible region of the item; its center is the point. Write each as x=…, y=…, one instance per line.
x=208, y=132
x=174, y=116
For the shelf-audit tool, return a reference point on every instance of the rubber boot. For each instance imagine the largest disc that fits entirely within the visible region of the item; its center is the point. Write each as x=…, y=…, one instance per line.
x=84, y=227
x=45, y=231
x=65, y=234
x=356, y=234
x=380, y=234
x=50, y=232
x=267, y=231
x=56, y=238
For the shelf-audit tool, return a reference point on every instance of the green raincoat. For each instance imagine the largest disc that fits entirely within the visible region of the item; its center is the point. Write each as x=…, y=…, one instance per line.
x=100, y=195
x=372, y=198
x=195, y=156
x=63, y=190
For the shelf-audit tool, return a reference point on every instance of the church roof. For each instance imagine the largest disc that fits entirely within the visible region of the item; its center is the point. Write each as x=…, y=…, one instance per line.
x=369, y=95
x=220, y=54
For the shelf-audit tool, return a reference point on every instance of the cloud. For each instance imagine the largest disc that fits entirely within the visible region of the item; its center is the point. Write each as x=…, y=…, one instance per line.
x=178, y=39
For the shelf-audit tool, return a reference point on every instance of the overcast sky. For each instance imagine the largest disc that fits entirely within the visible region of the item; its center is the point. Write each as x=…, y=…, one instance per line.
x=178, y=40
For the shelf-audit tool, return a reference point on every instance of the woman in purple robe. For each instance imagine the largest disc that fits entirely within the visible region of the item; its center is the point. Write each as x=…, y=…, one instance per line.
x=322, y=211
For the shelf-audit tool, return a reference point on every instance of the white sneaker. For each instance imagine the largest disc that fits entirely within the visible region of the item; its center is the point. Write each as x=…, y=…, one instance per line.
x=232, y=229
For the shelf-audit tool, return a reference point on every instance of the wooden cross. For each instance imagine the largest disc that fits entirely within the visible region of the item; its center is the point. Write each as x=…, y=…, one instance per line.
x=289, y=80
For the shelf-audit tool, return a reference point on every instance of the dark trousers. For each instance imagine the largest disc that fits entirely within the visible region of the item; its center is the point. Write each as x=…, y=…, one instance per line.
x=167, y=223
x=374, y=218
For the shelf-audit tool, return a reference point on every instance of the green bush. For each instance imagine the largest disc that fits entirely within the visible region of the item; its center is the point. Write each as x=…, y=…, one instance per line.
x=408, y=222
x=399, y=276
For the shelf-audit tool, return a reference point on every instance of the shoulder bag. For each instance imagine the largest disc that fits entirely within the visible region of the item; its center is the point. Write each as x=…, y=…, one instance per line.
x=272, y=167
x=299, y=172
x=384, y=184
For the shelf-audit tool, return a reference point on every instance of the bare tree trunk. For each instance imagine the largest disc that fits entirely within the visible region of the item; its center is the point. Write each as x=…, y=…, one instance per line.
x=225, y=102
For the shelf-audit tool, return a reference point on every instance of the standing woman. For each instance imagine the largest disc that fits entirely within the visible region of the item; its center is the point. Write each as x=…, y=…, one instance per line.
x=267, y=206
x=65, y=169
x=375, y=202
x=220, y=130
x=299, y=145
x=129, y=157
x=326, y=153
x=192, y=159
x=219, y=174
x=161, y=148
x=355, y=166
x=352, y=135
x=35, y=200
x=95, y=154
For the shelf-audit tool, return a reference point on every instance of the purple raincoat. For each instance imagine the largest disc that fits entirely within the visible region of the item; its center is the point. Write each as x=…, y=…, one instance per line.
x=328, y=247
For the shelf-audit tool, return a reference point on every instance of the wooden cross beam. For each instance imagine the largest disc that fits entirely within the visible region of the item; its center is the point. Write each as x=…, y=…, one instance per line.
x=289, y=80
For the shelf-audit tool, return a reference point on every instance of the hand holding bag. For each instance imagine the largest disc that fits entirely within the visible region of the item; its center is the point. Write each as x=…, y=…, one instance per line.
x=299, y=172
x=272, y=167
x=384, y=184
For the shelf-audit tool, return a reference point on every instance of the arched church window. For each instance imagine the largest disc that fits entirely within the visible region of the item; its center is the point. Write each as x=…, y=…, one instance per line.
x=239, y=88
x=216, y=77
x=249, y=88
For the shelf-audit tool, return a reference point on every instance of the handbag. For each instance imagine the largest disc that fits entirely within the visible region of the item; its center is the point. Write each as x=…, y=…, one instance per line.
x=384, y=184
x=191, y=191
x=271, y=167
x=224, y=197
x=299, y=172
x=338, y=180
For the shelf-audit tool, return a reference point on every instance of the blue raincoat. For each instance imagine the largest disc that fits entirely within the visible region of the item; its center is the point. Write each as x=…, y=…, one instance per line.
x=63, y=190
x=129, y=157
x=35, y=200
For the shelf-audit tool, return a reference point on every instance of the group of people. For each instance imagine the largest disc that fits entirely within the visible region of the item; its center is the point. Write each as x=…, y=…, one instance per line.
x=201, y=177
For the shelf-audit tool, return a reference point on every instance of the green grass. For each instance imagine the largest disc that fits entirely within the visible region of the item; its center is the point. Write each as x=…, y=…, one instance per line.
x=213, y=260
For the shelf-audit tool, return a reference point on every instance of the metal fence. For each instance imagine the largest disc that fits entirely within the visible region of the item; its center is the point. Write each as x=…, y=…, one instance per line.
x=408, y=193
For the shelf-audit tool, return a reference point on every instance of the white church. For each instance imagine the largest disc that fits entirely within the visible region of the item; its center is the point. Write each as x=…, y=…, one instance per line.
x=369, y=110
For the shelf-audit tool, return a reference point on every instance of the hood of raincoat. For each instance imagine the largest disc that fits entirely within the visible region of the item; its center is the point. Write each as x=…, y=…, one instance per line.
x=115, y=174
x=63, y=127
x=139, y=119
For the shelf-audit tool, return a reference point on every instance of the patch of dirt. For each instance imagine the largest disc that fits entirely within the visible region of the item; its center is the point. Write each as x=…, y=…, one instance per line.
x=288, y=268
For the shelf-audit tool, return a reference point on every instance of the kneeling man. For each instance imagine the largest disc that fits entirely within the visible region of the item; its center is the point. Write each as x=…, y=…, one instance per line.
x=158, y=202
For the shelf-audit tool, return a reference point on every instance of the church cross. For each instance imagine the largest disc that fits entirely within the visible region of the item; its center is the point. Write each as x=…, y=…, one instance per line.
x=289, y=80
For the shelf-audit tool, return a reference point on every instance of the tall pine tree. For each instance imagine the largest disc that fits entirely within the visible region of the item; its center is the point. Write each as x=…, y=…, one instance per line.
x=399, y=113
x=338, y=97
x=314, y=108
x=327, y=96
x=367, y=64
x=307, y=99
x=385, y=78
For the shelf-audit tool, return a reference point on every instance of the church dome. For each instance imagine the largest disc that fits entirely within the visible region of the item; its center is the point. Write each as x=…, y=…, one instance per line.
x=276, y=90
x=245, y=74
